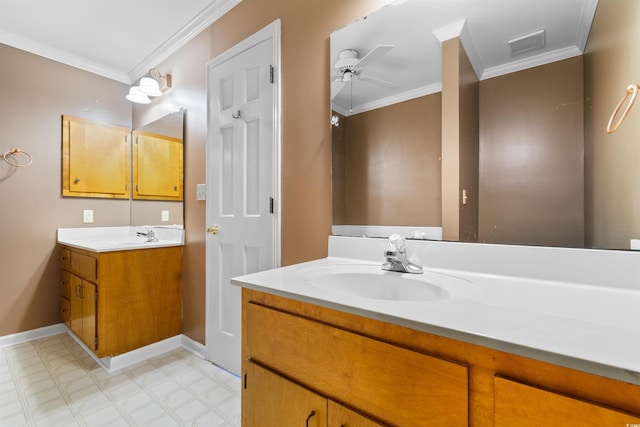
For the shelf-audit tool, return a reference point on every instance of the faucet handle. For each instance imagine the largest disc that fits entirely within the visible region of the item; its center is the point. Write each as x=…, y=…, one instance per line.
x=396, y=243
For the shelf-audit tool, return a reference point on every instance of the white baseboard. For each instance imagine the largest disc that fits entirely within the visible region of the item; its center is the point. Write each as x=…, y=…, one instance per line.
x=193, y=346
x=34, y=334
x=110, y=364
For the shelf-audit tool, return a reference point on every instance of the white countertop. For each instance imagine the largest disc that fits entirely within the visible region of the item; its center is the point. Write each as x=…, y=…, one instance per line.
x=109, y=239
x=586, y=327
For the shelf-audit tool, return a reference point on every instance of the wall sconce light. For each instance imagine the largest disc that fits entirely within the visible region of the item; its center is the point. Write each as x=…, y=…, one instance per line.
x=153, y=84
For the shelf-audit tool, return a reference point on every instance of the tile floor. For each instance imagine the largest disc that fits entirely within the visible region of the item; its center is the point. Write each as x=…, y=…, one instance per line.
x=54, y=382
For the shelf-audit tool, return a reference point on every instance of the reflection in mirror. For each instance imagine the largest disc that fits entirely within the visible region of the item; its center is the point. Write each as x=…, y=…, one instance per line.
x=157, y=172
x=545, y=75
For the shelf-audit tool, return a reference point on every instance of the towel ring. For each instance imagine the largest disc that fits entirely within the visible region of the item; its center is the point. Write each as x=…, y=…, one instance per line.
x=631, y=90
x=15, y=152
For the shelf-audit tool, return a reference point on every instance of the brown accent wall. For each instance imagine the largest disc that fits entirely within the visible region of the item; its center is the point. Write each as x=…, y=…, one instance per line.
x=612, y=162
x=531, y=157
x=459, y=144
x=391, y=164
x=35, y=93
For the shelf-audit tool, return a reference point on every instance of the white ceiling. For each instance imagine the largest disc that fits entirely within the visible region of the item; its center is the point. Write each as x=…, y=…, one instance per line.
x=118, y=39
x=416, y=28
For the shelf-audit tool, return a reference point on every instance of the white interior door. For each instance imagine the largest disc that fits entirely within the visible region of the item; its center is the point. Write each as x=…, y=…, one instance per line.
x=242, y=186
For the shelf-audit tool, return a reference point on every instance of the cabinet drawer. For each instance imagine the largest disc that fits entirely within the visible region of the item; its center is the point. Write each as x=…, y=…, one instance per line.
x=523, y=405
x=371, y=376
x=84, y=266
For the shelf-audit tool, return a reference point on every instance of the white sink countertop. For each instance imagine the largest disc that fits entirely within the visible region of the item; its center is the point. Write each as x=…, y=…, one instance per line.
x=109, y=239
x=590, y=327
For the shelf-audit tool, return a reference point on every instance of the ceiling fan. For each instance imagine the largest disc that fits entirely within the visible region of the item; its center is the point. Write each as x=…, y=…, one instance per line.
x=349, y=68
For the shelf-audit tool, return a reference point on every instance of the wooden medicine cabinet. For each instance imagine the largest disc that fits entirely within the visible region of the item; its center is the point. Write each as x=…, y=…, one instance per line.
x=95, y=159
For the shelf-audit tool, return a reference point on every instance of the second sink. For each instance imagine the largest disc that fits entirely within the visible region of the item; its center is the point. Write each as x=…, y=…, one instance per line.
x=369, y=281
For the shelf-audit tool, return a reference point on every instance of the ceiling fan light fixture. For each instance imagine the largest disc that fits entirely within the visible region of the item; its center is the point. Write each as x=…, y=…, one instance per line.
x=346, y=59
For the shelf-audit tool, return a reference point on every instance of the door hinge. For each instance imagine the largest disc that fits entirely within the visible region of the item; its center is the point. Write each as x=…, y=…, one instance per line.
x=271, y=74
x=270, y=204
x=244, y=380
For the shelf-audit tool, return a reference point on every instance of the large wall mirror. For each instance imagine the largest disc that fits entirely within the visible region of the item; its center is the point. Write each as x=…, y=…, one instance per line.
x=143, y=165
x=548, y=75
x=157, y=171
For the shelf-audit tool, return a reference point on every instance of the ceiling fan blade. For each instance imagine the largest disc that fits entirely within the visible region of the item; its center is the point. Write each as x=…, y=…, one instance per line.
x=336, y=86
x=378, y=82
x=373, y=55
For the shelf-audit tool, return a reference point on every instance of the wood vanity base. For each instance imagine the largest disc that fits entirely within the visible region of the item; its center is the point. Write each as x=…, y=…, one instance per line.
x=385, y=374
x=123, y=300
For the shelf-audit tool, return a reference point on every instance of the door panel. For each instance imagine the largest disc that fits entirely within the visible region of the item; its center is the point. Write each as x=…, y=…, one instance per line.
x=241, y=182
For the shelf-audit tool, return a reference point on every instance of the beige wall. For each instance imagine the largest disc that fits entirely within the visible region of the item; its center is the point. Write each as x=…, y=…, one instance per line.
x=612, y=162
x=391, y=165
x=531, y=156
x=35, y=93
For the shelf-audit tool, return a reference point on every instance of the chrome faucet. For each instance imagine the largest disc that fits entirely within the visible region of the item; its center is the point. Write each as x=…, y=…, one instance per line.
x=150, y=235
x=396, y=256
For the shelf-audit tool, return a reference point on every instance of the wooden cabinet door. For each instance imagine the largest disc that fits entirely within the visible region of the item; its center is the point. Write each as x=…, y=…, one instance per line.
x=269, y=400
x=339, y=416
x=75, y=321
x=521, y=405
x=95, y=159
x=88, y=297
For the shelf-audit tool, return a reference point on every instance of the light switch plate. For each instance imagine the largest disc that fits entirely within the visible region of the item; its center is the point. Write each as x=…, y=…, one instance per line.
x=87, y=216
x=165, y=215
x=201, y=191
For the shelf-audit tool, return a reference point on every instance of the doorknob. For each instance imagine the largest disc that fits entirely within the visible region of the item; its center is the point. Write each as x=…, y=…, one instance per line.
x=212, y=229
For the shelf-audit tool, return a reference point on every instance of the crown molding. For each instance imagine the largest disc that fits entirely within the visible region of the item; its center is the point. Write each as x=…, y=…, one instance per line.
x=208, y=16
x=13, y=40
x=534, y=61
x=394, y=99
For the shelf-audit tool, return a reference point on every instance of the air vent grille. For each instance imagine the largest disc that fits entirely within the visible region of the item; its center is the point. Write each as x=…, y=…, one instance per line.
x=535, y=40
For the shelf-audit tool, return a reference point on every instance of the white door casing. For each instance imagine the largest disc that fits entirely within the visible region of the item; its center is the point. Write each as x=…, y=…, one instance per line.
x=243, y=182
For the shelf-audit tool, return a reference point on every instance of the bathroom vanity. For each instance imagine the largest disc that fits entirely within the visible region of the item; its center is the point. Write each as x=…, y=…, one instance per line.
x=325, y=356
x=120, y=292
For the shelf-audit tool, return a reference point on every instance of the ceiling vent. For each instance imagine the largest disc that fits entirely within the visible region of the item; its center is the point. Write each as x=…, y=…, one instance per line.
x=526, y=43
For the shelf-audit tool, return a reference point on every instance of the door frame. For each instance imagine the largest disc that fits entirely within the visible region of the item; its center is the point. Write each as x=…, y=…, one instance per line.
x=271, y=31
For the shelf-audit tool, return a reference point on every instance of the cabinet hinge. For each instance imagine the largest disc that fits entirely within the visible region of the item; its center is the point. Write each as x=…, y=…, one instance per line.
x=270, y=204
x=95, y=342
x=244, y=380
x=271, y=74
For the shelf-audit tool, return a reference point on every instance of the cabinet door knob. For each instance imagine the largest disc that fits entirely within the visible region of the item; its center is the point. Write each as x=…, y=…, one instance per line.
x=77, y=180
x=212, y=229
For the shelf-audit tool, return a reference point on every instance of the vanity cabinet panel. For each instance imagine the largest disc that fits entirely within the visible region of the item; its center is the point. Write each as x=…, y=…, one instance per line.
x=526, y=406
x=65, y=311
x=95, y=159
x=490, y=401
x=270, y=400
x=370, y=375
x=123, y=300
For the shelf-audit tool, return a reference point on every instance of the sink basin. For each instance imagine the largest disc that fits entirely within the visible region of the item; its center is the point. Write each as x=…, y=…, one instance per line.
x=371, y=282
